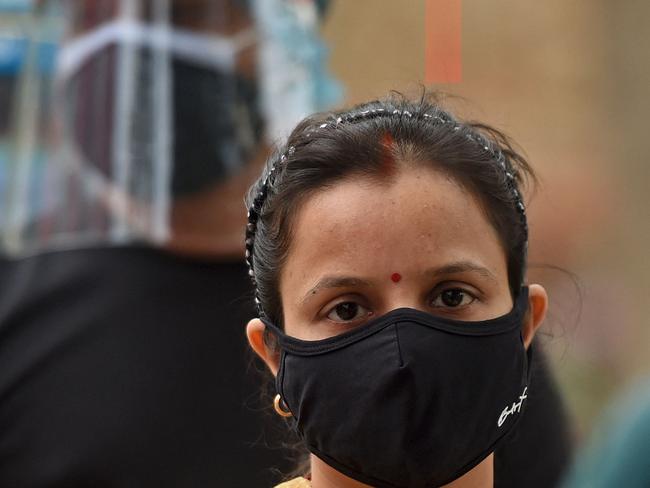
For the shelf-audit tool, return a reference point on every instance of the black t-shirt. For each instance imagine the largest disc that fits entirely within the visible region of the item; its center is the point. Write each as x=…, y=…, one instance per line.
x=128, y=367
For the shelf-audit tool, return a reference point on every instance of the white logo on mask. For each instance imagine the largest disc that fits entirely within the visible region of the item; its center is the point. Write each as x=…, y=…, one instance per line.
x=515, y=408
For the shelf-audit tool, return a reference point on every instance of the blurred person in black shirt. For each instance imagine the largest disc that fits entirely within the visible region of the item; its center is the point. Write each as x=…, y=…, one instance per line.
x=123, y=289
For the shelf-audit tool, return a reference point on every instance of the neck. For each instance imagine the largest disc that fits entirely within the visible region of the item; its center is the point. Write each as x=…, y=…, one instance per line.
x=211, y=222
x=481, y=476
x=324, y=476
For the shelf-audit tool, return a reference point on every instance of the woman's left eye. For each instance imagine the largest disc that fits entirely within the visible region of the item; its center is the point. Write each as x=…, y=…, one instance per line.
x=453, y=298
x=347, y=312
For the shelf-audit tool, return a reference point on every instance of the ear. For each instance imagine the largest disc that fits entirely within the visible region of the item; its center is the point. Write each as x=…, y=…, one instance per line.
x=537, y=306
x=255, y=333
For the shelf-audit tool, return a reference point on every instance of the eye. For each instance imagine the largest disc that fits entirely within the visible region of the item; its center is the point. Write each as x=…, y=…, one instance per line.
x=347, y=312
x=453, y=298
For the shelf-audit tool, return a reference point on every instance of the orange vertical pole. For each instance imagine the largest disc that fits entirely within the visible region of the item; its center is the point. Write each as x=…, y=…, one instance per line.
x=443, y=51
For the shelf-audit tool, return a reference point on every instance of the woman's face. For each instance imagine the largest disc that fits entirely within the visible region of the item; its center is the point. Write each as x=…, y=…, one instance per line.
x=362, y=248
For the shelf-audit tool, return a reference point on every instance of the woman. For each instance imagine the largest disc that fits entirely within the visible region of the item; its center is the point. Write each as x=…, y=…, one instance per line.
x=387, y=246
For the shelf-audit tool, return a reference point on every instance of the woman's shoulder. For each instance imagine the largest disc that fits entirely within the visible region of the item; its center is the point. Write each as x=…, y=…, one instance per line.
x=295, y=483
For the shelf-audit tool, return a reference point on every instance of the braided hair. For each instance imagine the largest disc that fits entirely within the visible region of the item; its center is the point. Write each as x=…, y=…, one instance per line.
x=326, y=148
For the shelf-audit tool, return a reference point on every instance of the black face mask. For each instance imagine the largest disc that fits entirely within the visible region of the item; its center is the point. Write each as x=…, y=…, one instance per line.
x=409, y=399
x=217, y=125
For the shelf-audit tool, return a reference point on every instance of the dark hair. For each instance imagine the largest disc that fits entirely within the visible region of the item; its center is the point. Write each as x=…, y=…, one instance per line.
x=372, y=140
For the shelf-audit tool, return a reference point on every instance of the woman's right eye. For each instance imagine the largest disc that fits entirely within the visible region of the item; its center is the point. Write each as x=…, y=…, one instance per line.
x=347, y=312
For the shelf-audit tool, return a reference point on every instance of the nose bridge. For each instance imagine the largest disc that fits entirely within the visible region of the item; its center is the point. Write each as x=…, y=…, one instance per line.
x=403, y=294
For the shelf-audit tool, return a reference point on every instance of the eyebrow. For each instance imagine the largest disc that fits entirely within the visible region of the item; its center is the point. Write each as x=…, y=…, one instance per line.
x=329, y=282
x=461, y=267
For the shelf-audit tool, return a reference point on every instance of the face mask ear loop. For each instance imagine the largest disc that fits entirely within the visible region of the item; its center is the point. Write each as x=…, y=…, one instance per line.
x=529, y=367
x=212, y=50
x=275, y=330
x=521, y=302
x=279, y=405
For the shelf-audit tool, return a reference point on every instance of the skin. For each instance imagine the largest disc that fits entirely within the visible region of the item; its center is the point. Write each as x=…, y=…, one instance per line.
x=210, y=223
x=350, y=240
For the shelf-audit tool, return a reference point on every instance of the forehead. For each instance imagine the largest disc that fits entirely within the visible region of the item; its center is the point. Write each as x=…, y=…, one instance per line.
x=420, y=218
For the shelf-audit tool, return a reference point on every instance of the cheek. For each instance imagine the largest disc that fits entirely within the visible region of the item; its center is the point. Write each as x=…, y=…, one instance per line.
x=503, y=304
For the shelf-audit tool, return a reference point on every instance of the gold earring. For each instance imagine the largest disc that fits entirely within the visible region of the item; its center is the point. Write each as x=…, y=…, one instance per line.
x=278, y=407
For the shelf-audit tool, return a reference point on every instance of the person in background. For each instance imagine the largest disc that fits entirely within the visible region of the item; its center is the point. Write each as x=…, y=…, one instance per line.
x=122, y=282
x=618, y=452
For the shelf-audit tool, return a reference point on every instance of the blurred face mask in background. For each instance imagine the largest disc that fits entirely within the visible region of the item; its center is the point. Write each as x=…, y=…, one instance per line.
x=177, y=89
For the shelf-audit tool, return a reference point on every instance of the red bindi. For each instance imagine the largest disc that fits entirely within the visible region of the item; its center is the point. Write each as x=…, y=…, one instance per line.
x=395, y=277
x=387, y=160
